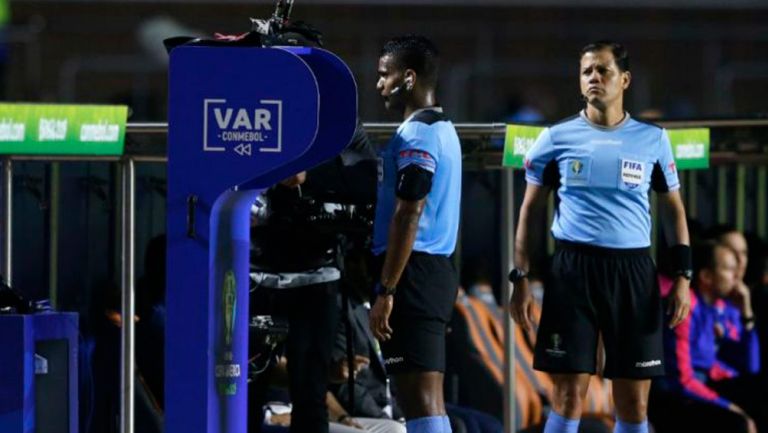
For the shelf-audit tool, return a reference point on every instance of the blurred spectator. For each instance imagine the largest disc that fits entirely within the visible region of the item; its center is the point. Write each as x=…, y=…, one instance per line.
x=102, y=355
x=150, y=307
x=651, y=114
x=749, y=278
x=153, y=30
x=712, y=356
x=735, y=240
x=482, y=290
x=518, y=110
x=373, y=402
x=760, y=302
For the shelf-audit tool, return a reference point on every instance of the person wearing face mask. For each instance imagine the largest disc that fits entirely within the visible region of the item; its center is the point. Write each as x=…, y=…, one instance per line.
x=602, y=286
x=712, y=356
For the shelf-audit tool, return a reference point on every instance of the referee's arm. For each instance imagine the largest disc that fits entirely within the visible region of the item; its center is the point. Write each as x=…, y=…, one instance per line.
x=672, y=217
x=402, y=234
x=531, y=212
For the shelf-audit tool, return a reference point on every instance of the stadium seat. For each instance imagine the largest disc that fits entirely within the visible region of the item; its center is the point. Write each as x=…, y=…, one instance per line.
x=476, y=354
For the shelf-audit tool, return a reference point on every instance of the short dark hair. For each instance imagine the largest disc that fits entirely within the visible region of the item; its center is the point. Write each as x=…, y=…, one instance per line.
x=719, y=231
x=417, y=53
x=705, y=255
x=620, y=53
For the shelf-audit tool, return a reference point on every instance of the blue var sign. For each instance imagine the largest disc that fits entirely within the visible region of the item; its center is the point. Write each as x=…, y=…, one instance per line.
x=245, y=126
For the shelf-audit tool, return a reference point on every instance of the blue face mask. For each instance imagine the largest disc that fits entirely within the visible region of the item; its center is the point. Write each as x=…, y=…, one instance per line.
x=537, y=289
x=483, y=295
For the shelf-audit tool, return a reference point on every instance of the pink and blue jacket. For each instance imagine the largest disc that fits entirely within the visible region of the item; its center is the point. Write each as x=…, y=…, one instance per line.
x=708, y=346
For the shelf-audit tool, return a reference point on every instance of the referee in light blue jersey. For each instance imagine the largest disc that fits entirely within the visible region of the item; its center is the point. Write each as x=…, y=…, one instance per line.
x=602, y=163
x=414, y=233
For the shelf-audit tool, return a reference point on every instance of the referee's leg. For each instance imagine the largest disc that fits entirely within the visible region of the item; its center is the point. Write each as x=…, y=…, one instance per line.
x=420, y=394
x=568, y=396
x=630, y=396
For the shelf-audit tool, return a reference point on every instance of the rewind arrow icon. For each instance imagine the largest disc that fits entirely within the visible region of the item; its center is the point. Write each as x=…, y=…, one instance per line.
x=243, y=149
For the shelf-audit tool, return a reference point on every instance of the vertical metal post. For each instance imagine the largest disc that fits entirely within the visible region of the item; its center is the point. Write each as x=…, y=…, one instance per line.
x=762, y=193
x=722, y=195
x=507, y=260
x=741, y=196
x=7, y=220
x=692, y=206
x=128, y=309
x=53, y=246
x=117, y=227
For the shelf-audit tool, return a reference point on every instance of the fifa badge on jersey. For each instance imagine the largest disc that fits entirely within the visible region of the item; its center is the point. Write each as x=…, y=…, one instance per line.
x=632, y=173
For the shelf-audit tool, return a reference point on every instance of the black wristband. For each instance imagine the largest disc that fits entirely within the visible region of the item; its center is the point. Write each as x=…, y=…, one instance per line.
x=747, y=320
x=516, y=275
x=341, y=418
x=680, y=256
x=381, y=290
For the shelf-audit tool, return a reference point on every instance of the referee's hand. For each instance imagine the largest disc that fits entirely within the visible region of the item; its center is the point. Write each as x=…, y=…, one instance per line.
x=679, y=303
x=379, y=319
x=521, y=304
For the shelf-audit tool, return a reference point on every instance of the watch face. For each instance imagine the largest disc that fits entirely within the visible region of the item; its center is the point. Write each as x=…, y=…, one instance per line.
x=515, y=275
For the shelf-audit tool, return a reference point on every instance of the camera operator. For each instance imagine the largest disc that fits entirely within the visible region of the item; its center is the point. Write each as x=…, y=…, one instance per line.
x=296, y=260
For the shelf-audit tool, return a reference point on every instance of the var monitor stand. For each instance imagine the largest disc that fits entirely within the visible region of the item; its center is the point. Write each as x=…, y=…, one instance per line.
x=240, y=120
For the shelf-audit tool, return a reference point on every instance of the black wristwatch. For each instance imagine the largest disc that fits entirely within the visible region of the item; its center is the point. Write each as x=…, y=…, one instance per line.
x=685, y=273
x=385, y=291
x=516, y=275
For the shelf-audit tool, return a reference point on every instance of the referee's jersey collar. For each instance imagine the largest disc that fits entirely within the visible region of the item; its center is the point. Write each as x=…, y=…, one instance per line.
x=583, y=115
x=436, y=108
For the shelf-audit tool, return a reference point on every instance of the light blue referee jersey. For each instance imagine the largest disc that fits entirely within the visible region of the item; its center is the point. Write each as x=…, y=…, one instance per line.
x=430, y=141
x=604, y=176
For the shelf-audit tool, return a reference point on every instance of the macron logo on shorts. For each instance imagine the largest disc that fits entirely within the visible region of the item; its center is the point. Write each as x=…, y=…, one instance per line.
x=648, y=364
x=395, y=360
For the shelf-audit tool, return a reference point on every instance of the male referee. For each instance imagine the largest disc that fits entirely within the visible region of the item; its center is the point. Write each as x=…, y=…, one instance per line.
x=603, y=281
x=417, y=220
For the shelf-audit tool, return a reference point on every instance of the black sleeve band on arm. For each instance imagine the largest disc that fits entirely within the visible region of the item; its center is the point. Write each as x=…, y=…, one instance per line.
x=658, y=181
x=551, y=177
x=680, y=255
x=413, y=183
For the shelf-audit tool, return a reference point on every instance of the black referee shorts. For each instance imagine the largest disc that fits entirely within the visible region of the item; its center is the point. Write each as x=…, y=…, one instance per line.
x=422, y=309
x=593, y=291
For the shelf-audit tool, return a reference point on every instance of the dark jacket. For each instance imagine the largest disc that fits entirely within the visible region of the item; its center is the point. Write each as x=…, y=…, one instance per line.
x=371, y=383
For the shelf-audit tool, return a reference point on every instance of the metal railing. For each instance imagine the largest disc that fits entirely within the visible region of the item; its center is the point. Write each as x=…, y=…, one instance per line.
x=128, y=161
